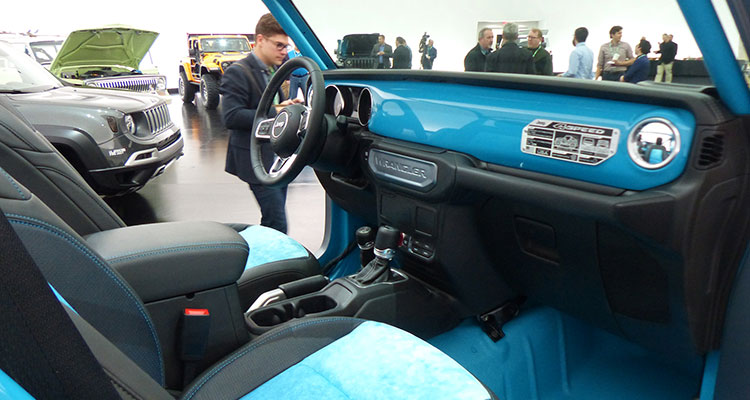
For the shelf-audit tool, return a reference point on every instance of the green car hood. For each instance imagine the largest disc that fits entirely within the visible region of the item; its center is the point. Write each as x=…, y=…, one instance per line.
x=109, y=46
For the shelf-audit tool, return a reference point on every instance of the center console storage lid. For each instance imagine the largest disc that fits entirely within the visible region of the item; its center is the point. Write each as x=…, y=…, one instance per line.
x=176, y=258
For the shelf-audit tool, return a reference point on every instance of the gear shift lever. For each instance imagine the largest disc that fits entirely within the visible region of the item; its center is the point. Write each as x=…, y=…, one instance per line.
x=366, y=242
x=378, y=270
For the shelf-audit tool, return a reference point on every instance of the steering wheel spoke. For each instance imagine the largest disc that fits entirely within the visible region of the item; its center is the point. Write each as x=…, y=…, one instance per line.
x=281, y=165
x=304, y=122
x=263, y=130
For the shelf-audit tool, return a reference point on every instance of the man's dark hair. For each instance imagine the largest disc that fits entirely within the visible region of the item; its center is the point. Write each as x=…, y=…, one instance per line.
x=268, y=26
x=400, y=40
x=581, y=34
x=645, y=46
x=614, y=30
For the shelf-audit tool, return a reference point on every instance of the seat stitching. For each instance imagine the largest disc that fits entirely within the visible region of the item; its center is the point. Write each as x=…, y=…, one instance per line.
x=210, y=374
x=21, y=138
x=65, y=236
x=15, y=185
x=183, y=247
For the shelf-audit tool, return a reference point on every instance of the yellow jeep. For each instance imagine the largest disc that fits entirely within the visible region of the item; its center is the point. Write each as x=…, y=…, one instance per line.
x=209, y=56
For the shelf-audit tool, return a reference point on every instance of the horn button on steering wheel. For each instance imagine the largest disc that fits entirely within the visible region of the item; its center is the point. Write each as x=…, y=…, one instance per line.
x=285, y=137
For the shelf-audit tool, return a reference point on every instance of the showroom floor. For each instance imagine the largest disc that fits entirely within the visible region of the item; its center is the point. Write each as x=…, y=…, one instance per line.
x=197, y=188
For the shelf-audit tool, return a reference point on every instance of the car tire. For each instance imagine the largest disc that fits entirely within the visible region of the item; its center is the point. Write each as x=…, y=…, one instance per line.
x=187, y=89
x=209, y=91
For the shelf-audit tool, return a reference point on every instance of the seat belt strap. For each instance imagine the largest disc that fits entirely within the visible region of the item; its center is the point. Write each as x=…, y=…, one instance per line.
x=40, y=347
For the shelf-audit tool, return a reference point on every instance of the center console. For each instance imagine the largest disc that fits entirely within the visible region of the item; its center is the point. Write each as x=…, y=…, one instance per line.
x=186, y=274
x=377, y=292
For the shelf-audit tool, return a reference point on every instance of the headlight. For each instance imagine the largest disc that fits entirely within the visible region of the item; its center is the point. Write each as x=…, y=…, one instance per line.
x=130, y=124
x=161, y=84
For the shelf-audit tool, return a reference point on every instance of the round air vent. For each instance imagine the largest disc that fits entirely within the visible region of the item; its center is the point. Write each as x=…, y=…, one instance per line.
x=654, y=143
x=364, y=106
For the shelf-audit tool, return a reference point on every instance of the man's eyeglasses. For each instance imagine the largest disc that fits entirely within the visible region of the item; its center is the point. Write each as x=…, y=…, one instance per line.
x=533, y=37
x=279, y=45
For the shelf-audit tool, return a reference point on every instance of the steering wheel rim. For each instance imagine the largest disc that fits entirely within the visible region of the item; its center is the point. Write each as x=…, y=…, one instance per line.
x=295, y=126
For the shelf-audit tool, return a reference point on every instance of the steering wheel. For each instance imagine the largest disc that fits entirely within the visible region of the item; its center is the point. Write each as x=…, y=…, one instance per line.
x=296, y=133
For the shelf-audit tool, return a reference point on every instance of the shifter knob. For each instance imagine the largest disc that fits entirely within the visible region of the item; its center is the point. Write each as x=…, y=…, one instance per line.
x=365, y=237
x=365, y=240
x=386, y=241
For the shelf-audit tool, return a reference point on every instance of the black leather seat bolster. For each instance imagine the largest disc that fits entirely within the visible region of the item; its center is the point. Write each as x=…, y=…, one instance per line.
x=170, y=259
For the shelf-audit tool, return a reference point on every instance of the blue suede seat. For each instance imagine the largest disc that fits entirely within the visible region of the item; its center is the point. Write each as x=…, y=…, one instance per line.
x=273, y=258
x=338, y=358
x=268, y=245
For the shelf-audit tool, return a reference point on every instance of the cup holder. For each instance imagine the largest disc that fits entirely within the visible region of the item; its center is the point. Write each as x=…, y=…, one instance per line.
x=275, y=314
x=314, y=305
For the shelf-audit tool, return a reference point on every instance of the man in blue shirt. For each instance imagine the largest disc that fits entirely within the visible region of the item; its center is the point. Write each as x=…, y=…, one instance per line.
x=383, y=52
x=298, y=79
x=581, y=63
x=638, y=71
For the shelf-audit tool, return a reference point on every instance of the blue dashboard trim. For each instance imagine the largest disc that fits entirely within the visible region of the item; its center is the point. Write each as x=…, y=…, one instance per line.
x=487, y=123
x=717, y=54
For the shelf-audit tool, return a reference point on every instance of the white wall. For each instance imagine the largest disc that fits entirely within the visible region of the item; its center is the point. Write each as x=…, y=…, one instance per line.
x=452, y=25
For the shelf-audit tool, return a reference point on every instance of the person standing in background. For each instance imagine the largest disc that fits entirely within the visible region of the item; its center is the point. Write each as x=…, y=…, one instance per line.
x=402, y=55
x=510, y=58
x=429, y=55
x=540, y=55
x=638, y=71
x=242, y=86
x=298, y=78
x=668, y=51
x=614, y=56
x=581, y=63
x=383, y=52
x=476, y=57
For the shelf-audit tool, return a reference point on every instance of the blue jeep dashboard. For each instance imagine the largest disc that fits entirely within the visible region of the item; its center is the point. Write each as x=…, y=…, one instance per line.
x=488, y=123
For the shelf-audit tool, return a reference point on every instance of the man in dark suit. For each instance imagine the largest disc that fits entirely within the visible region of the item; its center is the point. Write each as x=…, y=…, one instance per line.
x=242, y=86
x=382, y=52
x=429, y=55
x=402, y=55
x=510, y=57
x=541, y=57
x=476, y=57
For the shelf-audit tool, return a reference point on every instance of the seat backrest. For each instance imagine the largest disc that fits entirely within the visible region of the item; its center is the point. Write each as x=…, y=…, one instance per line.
x=29, y=157
x=96, y=291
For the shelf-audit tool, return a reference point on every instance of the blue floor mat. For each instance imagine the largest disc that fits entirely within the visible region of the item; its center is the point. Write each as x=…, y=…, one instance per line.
x=549, y=355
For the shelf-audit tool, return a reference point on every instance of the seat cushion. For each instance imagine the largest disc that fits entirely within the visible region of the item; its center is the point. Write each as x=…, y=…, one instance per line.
x=338, y=358
x=273, y=258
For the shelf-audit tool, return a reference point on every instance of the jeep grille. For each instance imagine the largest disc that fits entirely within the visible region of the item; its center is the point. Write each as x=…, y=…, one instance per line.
x=364, y=62
x=146, y=84
x=158, y=118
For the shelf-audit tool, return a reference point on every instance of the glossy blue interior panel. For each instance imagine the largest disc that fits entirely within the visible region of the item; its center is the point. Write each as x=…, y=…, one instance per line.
x=487, y=123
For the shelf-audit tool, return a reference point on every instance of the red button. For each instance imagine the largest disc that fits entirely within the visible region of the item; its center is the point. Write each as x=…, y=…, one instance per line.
x=196, y=311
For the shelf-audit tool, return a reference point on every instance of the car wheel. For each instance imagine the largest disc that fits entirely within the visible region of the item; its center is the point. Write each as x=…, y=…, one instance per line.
x=187, y=89
x=209, y=91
